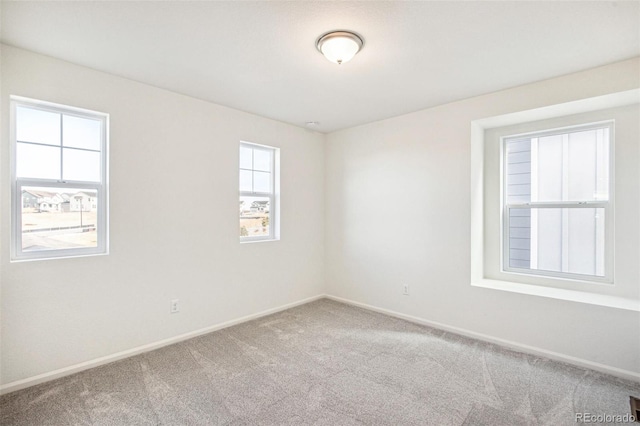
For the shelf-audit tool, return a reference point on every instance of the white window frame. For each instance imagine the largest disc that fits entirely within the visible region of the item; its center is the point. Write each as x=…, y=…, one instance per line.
x=607, y=205
x=272, y=195
x=101, y=188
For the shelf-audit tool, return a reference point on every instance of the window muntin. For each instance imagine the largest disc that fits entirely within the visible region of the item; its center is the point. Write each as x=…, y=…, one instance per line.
x=557, y=200
x=257, y=192
x=59, y=180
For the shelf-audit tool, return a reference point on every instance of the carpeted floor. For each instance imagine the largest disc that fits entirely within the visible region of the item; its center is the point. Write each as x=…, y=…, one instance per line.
x=324, y=363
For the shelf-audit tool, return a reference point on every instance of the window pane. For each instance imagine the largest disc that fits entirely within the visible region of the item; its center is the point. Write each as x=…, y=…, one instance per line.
x=34, y=125
x=246, y=181
x=81, y=165
x=246, y=161
x=37, y=161
x=262, y=160
x=570, y=240
x=548, y=169
x=58, y=218
x=261, y=182
x=254, y=216
x=588, y=159
x=81, y=132
x=573, y=166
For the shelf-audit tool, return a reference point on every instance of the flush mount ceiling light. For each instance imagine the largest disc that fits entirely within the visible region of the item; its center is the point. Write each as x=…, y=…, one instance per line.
x=339, y=46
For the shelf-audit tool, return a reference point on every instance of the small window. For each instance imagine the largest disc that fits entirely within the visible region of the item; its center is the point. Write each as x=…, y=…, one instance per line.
x=557, y=212
x=59, y=181
x=258, y=177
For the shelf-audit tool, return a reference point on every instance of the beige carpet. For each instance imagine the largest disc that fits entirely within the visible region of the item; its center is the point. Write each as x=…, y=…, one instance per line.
x=324, y=363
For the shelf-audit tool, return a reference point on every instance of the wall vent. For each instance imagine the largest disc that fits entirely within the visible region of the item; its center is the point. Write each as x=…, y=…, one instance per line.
x=635, y=408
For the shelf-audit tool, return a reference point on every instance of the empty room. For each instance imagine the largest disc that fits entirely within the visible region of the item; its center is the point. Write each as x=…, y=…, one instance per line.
x=438, y=213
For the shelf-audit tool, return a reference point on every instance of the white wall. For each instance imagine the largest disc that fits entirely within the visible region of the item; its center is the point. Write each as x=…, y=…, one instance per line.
x=398, y=211
x=166, y=149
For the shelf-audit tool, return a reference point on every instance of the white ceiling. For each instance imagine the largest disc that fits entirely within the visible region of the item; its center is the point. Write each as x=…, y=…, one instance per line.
x=260, y=57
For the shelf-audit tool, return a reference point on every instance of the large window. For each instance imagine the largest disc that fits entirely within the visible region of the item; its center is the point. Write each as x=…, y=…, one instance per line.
x=258, y=204
x=557, y=203
x=59, y=180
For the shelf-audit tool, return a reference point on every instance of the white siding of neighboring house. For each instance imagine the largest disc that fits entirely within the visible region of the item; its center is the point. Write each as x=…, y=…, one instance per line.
x=519, y=191
x=83, y=201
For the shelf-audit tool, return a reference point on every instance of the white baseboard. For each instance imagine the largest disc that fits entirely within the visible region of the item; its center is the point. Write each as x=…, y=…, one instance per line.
x=66, y=371
x=602, y=368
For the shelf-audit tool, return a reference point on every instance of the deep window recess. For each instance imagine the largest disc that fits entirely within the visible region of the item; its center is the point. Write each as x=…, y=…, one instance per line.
x=59, y=180
x=557, y=203
x=257, y=192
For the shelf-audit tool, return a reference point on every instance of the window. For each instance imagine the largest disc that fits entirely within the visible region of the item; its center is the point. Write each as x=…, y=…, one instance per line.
x=258, y=189
x=557, y=210
x=59, y=180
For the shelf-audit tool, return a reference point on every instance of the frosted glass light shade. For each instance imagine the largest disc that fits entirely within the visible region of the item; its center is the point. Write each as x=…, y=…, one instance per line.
x=339, y=46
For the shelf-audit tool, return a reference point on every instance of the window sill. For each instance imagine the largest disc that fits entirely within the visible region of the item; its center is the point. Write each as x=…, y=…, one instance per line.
x=561, y=294
x=56, y=257
x=260, y=241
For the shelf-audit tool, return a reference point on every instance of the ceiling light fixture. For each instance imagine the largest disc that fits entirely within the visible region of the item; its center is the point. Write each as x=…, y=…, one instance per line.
x=339, y=46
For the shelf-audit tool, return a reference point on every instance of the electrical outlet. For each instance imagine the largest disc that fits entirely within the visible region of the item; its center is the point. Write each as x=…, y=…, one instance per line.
x=405, y=289
x=175, y=306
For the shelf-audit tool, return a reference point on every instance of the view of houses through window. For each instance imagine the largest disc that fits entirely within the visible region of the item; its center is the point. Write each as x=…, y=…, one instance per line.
x=58, y=218
x=257, y=189
x=254, y=216
x=59, y=183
